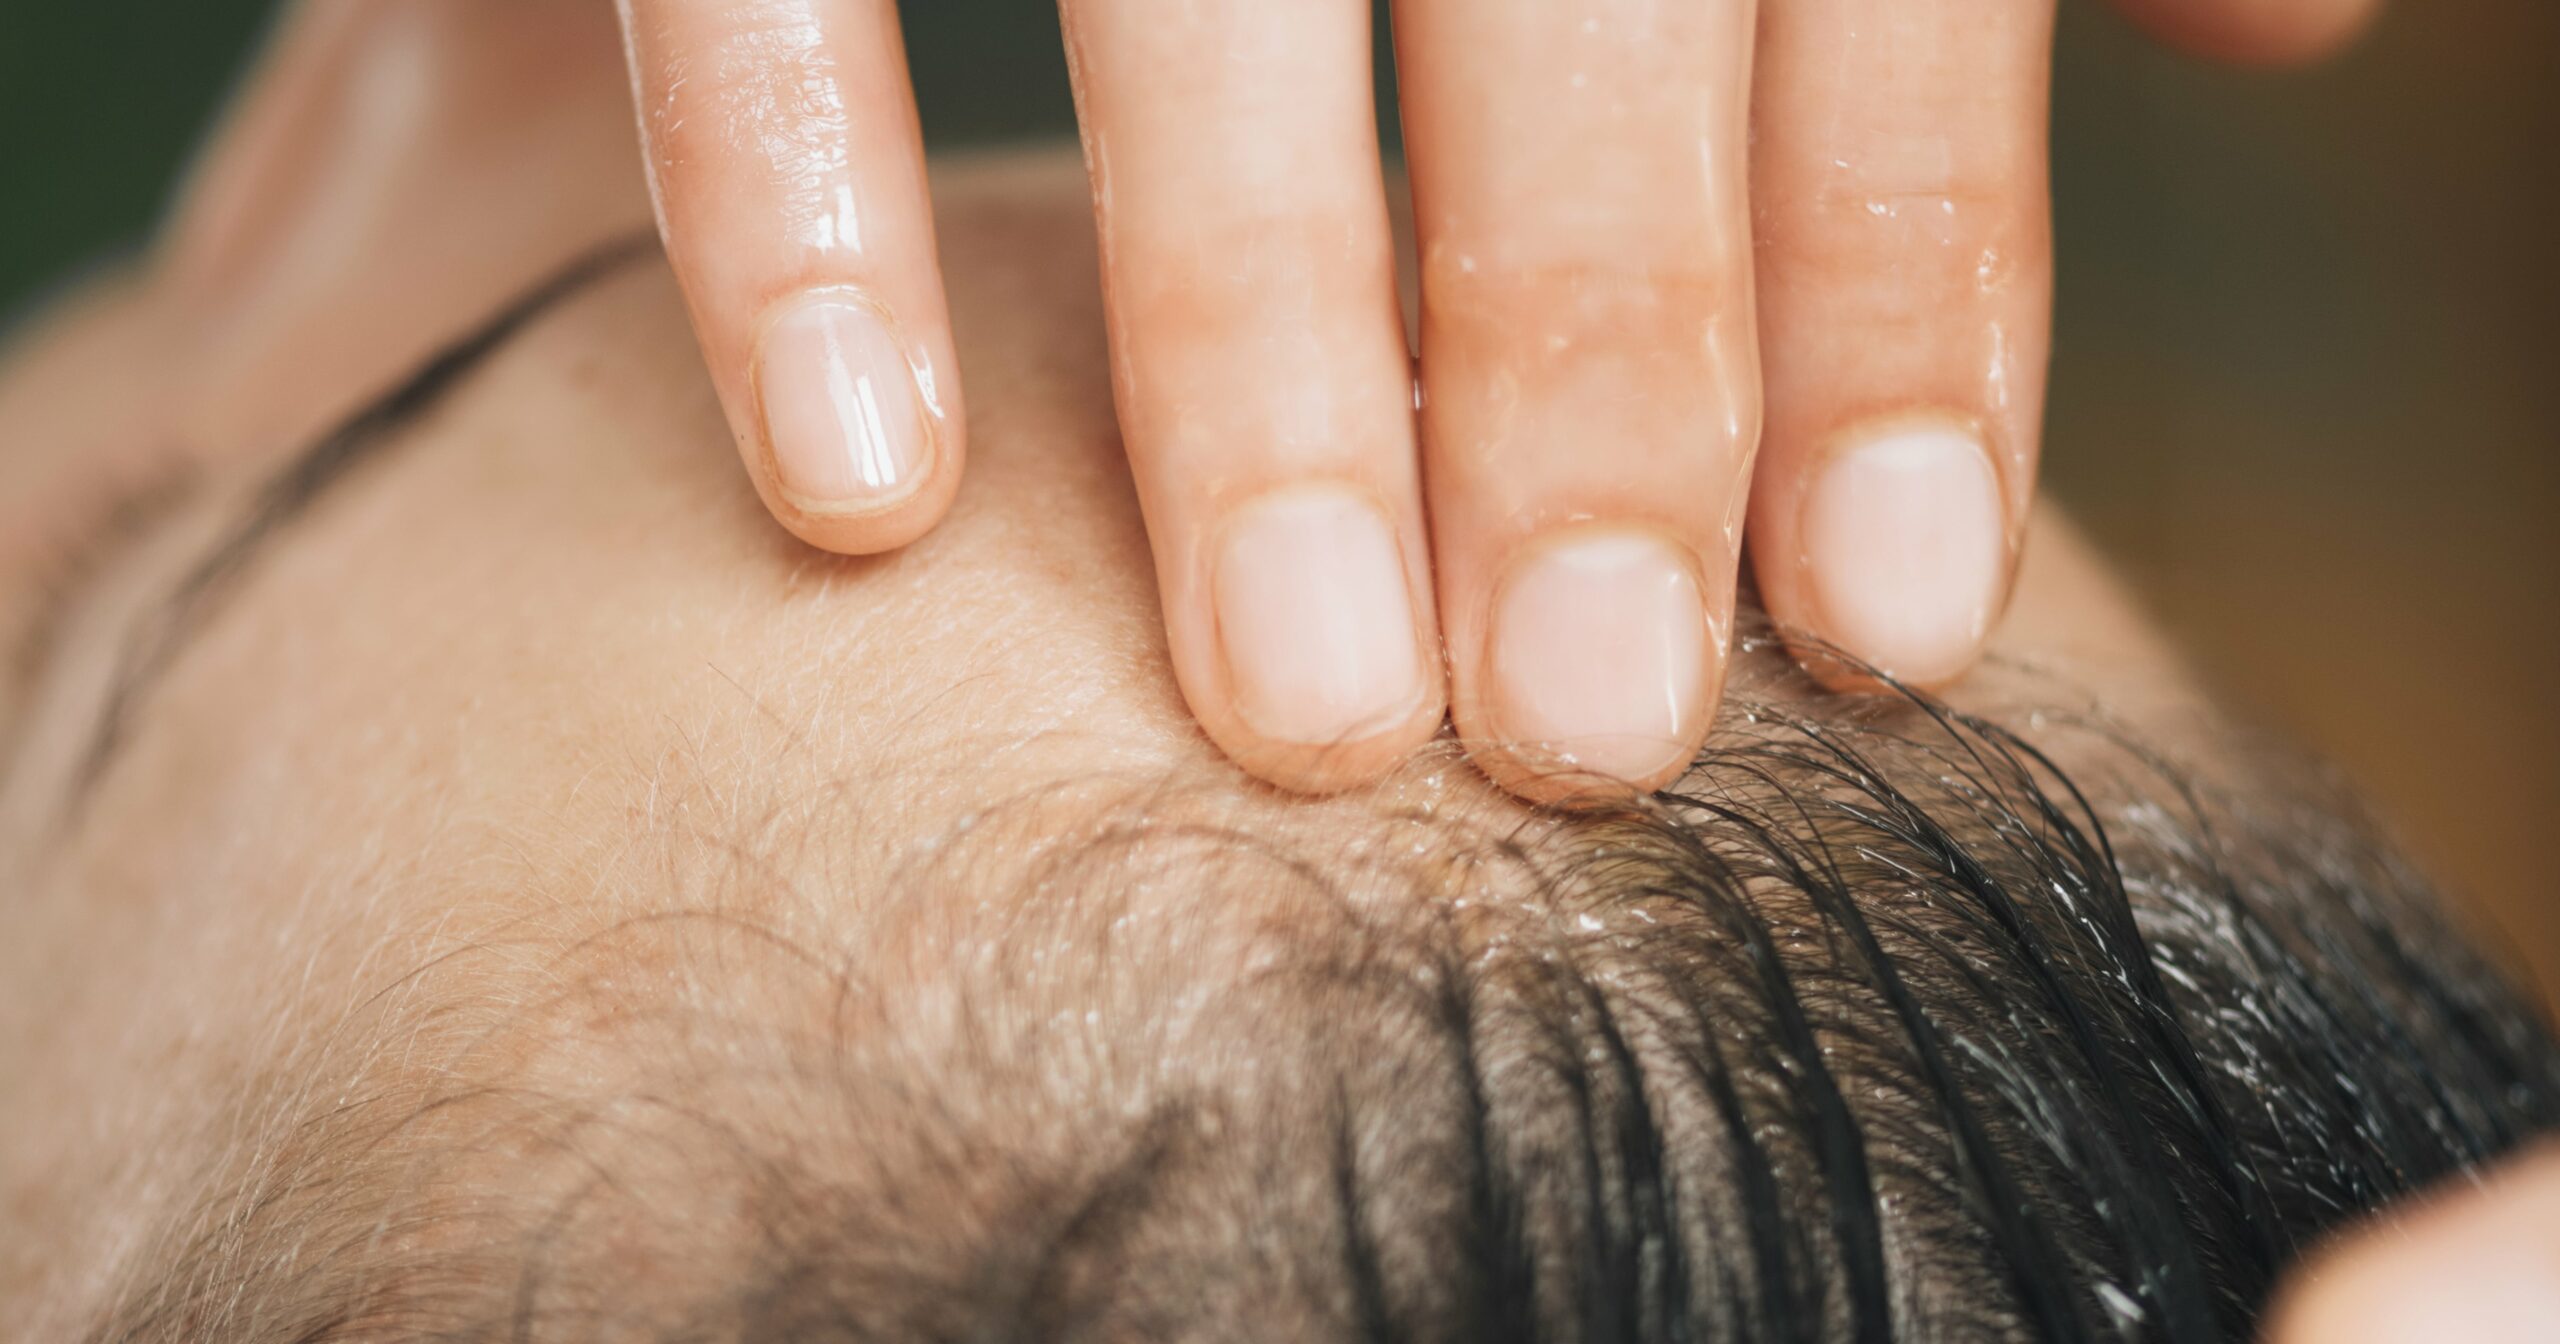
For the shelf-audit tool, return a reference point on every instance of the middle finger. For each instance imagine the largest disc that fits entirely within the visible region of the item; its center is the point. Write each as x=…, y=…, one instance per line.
x=1260, y=371
x=1590, y=373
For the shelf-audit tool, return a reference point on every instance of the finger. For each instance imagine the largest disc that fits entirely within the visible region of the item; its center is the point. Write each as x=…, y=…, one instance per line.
x=1261, y=373
x=789, y=174
x=393, y=170
x=1591, y=385
x=1898, y=185
x=2255, y=32
x=2481, y=1265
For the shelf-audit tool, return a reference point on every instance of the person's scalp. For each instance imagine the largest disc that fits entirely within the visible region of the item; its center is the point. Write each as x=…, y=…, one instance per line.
x=1865, y=1027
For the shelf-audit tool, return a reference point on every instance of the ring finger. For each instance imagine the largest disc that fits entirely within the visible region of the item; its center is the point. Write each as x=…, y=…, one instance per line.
x=1906, y=281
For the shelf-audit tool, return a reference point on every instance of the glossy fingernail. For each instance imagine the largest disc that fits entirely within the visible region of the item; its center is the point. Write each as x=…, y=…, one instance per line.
x=1601, y=653
x=1315, y=618
x=841, y=412
x=1906, y=544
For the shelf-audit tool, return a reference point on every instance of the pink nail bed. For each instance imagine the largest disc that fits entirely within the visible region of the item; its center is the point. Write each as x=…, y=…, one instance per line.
x=841, y=410
x=1601, y=650
x=1315, y=618
x=1906, y=546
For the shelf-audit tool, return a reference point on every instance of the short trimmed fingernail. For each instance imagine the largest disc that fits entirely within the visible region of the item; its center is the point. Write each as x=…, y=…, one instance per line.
x=1601, y=653
x=841, y=411
x=1906, y=543
x=1315, y=618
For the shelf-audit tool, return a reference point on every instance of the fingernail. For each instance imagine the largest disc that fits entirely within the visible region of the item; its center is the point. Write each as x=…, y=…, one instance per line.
x=1906, y=543
x=1315, y=618
x=1600, y=654
x=841, y=411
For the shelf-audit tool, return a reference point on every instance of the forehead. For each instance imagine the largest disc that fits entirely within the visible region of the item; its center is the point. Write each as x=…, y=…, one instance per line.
x=538, y=722
x=535, y=674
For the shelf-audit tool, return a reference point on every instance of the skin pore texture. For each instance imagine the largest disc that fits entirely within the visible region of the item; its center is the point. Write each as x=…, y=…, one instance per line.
x=525, y=895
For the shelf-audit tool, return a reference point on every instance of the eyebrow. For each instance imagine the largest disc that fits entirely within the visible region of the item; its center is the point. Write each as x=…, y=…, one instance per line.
x=181, y=619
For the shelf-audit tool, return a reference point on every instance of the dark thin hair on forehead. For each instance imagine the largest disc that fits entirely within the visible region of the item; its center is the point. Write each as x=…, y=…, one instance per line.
x=1876, y=1028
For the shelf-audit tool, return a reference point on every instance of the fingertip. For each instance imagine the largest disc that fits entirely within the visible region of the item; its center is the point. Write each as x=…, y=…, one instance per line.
x=1563, y=778
x=857, y=447
x=1903, y=555
x=890, y=526
x=1326, y=676
x=1907, y=297
x=2481, y=1262
x=1603, y=657
x=1318, y=769
x=870, y=522
x=2271, y=34
x=810, y=274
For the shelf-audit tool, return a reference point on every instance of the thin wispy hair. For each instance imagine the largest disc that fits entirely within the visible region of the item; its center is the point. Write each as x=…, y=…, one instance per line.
x=1875, y=1027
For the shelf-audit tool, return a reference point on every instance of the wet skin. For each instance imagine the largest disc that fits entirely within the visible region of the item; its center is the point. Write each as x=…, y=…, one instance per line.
x=541, y=658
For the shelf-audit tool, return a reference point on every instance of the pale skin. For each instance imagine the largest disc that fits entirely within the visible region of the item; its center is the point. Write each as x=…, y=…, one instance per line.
x=1698, y=282
x=2478, y=1262
x=366, y=762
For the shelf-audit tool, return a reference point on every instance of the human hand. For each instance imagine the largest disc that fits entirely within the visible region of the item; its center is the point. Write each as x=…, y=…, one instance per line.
x=1626, y=232
x=2481, y=1265
x=1644, y=231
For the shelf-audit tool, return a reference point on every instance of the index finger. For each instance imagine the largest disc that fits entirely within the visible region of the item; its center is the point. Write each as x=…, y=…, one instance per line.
x=789, y=177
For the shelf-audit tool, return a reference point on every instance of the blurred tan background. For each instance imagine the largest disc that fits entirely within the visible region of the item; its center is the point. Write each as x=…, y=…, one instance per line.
x=2307, y=381
x=2307, y=388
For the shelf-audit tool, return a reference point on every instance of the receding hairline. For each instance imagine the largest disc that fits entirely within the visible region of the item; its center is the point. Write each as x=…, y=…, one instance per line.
x=1720, y=1045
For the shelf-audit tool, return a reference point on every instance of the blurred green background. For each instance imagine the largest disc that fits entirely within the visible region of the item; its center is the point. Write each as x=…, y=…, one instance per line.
x=2306, y=386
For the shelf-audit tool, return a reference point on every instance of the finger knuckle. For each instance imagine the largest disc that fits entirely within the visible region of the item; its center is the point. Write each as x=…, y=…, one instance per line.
x=1963, y=230
x=1606, y=302
x=1249, y=269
